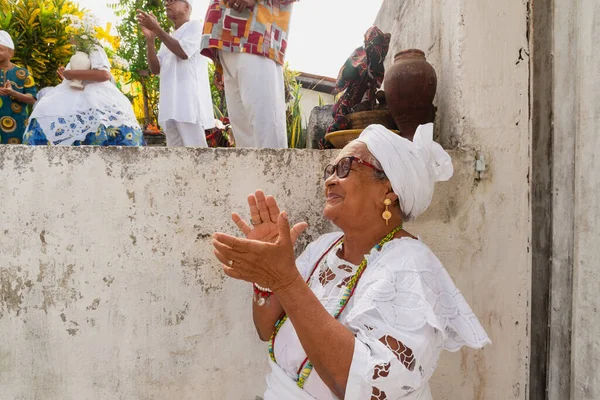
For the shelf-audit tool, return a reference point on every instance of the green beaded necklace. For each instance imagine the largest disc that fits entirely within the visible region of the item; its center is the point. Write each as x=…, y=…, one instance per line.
x=306, y=367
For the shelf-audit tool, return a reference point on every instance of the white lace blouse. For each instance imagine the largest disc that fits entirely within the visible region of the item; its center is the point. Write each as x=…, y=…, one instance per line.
x=404, y=312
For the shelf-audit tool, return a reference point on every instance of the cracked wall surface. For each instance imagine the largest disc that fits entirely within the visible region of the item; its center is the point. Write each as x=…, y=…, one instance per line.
x=481, y=55
x=108, y=286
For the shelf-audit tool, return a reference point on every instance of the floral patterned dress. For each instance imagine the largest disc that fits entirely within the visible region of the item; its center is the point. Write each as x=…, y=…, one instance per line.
x=98, y=115
x=13, y=113
x=404, y=312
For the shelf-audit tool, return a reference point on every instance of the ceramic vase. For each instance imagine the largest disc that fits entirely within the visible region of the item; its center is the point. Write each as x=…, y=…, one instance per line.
x=410, y=86
x=80, y=61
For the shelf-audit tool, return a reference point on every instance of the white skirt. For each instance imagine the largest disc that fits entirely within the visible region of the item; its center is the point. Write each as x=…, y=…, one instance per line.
x=97, y=115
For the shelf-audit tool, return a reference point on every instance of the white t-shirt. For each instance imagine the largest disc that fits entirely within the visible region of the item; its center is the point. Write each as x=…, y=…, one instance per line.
x=184, y=87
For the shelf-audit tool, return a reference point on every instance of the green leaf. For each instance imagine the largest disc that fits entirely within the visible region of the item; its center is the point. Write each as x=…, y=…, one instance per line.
x=42, y=45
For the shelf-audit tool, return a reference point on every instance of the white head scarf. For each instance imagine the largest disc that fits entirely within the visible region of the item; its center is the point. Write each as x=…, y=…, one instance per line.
x=413, y=168
x=6, y=40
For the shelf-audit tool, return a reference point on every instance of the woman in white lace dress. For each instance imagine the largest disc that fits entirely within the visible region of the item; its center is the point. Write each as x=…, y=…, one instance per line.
x=98, y=115
x=363, y=313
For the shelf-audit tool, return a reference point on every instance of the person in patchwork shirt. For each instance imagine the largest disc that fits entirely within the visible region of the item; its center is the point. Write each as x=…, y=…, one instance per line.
x=247, y=40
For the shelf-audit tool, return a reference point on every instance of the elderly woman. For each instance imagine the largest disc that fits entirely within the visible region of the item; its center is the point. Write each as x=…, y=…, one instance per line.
x=363, y=313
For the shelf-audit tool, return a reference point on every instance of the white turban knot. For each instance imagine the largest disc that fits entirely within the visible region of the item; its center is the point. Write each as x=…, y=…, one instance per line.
x=413, y=168
x=6, y=40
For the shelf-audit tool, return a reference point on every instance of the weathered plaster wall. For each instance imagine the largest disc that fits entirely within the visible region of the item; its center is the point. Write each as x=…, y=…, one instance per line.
x=108, y=289
x=480, y=52
x=583, y=71
x=108, y=286
x=564, y=95
x=542, y=200
x=566, y=122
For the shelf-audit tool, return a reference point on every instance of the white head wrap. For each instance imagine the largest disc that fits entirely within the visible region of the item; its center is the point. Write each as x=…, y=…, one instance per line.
x=413, y=168
x=6, y=40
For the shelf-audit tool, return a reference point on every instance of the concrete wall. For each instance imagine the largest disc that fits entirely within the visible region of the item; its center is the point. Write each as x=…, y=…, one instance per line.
x=108, y=285
x=542, y=203
x=480, y=52
x=566, y=255
x=108, y=289
x=564, y=94
x=579, y=32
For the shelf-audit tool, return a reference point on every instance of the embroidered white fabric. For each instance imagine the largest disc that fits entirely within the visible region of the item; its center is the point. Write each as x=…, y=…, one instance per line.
x=405, y=311
x=67, y=115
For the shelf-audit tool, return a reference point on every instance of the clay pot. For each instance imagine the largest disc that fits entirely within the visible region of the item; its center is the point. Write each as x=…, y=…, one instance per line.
x=410, y=86
x=79, y=61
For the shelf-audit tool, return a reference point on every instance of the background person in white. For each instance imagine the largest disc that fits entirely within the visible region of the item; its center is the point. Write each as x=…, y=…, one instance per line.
x=185, y=105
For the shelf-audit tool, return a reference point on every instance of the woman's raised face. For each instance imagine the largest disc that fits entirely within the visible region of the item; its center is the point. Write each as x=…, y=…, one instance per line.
x=354, y=195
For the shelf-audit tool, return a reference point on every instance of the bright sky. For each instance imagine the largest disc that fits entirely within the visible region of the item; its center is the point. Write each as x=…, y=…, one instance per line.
x=323, y=32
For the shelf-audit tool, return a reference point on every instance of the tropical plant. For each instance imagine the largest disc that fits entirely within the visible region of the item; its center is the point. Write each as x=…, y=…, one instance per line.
x=218, y=96
x=321, y=101
x=133, y=49
x=296, y=134
x=40, y=35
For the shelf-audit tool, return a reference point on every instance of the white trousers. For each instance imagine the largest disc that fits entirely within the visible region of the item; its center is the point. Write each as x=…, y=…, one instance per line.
x=181, y=134
x=255, y=95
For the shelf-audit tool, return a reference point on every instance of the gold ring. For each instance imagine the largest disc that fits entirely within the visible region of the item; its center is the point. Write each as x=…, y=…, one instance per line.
x=255, y=223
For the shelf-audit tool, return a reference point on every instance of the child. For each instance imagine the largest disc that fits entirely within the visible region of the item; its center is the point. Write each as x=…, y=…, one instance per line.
x=17, y=90
x=98, y=115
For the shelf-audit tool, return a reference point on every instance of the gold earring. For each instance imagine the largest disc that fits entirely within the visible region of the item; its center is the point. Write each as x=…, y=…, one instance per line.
x=387, y=215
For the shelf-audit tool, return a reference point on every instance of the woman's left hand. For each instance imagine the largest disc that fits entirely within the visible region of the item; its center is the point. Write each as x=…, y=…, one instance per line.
x=271, y=265
x=7, y=89
x=61, y=73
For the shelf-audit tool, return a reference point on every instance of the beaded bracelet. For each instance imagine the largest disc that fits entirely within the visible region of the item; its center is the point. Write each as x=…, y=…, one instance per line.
x=261, y=295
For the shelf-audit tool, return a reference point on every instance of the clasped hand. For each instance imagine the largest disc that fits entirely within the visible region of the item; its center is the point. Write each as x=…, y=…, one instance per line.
x=148, y=23
x=7, y=89
x=266, y=255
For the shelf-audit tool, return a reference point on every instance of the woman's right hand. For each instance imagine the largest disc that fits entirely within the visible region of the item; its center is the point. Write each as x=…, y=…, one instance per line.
x=264, y=212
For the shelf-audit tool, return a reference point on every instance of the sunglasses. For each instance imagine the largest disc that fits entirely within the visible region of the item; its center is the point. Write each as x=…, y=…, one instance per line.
x=344, y=166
